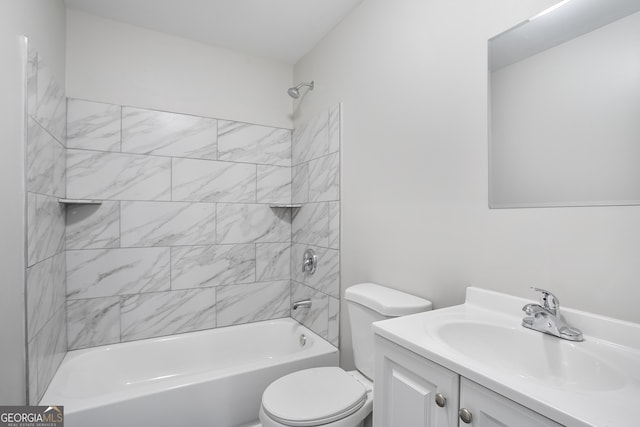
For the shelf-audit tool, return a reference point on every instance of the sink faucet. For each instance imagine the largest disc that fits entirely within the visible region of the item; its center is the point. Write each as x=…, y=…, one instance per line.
x=544, y=317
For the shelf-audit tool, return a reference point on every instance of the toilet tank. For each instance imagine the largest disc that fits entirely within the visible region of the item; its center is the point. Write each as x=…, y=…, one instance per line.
x=368, y=303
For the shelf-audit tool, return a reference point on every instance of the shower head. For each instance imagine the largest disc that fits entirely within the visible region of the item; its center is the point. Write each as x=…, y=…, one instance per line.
x=294, y=92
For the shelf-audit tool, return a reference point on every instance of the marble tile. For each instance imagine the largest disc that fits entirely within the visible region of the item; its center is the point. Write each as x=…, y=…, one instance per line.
x=250, y=223
x=50, y=348
x=333, y=335
x=212, y=181
x=335, y=128
x=273, y=261
x=35, y=252
x=32, y=380
x=40, y=146
x=116, y=176
x=243, y=142
x=168, y=134
x=334, y=225
x=326, y=279
x=200, y=266
x=51, y=111
x=32, y=80
x=324, y=178
x=167, y=224
x=311, y=139
x=45, y=292
x=93, y=226
x=45, y=227
x=59, y=171
x=92, y=322
x=311, y=225
x=166, y=313
x=93, y=125
x=300, y=183
x=110, y=272
x=274, y=184
x=315, y=318
x=46, y=162
x=253, y=302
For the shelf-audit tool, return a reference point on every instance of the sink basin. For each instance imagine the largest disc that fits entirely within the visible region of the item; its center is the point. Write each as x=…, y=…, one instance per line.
x=530, y=355
x=595, y=382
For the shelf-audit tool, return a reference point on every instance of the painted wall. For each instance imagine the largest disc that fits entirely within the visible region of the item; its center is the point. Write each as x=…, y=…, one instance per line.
x=122, y=64
x=44, y=22
x=412, y=76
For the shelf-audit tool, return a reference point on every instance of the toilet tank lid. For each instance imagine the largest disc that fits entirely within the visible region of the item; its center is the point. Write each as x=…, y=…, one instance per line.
x=386, y=301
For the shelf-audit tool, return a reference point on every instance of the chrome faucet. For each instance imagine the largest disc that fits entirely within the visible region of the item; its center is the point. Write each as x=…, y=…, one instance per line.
x=544, y=317
x=305, y=303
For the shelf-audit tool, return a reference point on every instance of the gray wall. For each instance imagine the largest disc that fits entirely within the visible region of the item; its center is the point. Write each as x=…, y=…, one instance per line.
x=412, y=76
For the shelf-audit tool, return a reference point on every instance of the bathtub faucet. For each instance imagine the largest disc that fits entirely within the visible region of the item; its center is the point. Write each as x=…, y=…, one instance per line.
x=305, y=303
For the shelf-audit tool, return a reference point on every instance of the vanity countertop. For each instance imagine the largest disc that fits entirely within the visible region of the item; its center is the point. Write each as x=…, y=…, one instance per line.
x=595, y=382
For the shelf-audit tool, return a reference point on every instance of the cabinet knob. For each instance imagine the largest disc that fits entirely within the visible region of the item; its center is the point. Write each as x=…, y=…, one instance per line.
x=441, y=400
x=465, y=415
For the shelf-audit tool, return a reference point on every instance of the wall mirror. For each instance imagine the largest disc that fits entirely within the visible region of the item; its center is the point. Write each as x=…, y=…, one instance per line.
x=564, y=107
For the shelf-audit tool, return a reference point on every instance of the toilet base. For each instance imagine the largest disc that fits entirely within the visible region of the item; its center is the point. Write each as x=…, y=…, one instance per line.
x=357, y=419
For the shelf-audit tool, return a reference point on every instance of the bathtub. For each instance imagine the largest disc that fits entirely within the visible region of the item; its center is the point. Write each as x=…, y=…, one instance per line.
x=212, y=378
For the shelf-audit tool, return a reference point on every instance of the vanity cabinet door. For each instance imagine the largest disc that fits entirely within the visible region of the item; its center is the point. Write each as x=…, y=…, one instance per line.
x=411, y=391
x=489, y=409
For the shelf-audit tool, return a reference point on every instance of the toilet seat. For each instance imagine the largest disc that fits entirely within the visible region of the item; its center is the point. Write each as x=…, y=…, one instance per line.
x=313, y=397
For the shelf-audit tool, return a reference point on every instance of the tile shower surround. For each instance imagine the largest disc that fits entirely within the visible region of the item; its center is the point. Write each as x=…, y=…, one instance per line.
x=316, y=224
x=185, y=239
x=45, y=264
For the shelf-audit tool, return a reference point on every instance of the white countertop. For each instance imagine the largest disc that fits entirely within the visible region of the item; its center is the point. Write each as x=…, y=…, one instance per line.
x=595, y=382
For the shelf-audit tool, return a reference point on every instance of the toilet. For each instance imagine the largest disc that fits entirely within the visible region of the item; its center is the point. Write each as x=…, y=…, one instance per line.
x=331, y=396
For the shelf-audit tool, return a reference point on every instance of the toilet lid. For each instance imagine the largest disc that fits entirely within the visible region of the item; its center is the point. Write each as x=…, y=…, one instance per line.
x=313, y=396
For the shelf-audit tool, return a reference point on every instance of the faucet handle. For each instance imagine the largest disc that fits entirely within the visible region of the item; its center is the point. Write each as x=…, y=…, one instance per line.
x=548, y=300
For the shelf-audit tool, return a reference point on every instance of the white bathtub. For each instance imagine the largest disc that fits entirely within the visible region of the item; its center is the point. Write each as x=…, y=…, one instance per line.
x=211, y=378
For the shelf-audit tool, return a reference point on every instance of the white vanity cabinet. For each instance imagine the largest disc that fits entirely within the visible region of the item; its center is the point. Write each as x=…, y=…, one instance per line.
x=489, y=409
x=406, y=387
x=412, y=391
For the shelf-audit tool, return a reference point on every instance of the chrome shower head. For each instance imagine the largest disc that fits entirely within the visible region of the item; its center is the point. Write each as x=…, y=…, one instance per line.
x=294, y=92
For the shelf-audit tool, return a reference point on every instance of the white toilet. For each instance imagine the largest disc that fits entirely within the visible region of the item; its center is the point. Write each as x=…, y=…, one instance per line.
x=330, y=396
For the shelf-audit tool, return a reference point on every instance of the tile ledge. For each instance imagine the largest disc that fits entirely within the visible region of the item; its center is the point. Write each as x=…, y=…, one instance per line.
x=283, y=205
x=79, y=202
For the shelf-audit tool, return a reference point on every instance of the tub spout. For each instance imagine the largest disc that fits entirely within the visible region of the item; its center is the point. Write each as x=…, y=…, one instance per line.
x=305, y=303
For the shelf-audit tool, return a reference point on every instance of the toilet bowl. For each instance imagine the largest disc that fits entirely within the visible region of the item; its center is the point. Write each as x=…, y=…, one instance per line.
x=331, y=396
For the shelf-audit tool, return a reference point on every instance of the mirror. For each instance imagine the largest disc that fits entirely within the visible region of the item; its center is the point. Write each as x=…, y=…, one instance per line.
x=564, y=107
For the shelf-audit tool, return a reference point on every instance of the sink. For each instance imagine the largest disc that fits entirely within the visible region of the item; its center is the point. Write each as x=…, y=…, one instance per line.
x=595, y=382
x=530, y=355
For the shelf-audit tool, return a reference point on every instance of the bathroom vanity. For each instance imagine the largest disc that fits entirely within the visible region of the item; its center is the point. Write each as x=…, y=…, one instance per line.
x=475, y=365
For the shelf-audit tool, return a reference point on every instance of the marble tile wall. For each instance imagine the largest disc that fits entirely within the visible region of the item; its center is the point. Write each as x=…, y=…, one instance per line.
x=185, y=238
x=316, y=224
x=45, y=183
